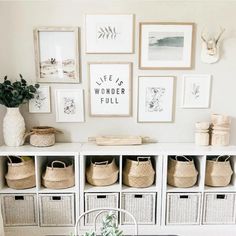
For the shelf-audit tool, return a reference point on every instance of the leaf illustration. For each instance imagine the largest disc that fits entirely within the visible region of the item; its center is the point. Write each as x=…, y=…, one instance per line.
x=107, y=32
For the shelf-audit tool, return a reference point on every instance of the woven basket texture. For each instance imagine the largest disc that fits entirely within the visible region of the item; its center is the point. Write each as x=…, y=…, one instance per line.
x=182, y=173
x=138, y=173
x=42, y=140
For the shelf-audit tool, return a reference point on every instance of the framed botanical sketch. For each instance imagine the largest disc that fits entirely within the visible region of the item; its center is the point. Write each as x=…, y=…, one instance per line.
x=166, y=45
x=41, y=102
x=110, y=89
x=196, y=91
x=155, y=98
x=57, y=55
x=110, y=33
x=69, y=105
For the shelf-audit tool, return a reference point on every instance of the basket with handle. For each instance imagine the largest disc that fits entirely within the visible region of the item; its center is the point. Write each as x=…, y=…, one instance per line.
x=139, y=174
x=218, y=172
x=21, y=172
x=182, y=172
x=58, y=175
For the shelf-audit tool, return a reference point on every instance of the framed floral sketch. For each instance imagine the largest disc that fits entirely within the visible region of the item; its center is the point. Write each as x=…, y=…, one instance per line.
x=110, y=33
x=41, y=102
x=166, y=45
x=196, y=91
x=69, y=105
x=57, y=54
x=155, y=98
x=110, y=89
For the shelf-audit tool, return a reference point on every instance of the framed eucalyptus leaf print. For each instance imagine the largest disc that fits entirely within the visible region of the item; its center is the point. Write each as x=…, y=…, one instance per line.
x=109, y=33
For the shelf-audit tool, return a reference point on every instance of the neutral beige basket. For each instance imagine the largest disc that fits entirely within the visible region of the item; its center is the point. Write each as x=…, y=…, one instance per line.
x=138, y=173
x=182, y=172
x=218, y=173
x=21, y=173
x=103, y=172
x=58, y=175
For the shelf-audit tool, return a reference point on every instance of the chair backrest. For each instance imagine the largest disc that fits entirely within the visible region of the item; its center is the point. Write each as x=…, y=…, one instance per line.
x=102, y=210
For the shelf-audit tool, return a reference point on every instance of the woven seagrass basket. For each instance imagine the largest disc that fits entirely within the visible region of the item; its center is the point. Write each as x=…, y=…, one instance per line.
x=138, y=173
x=218, y=171
x=182, y=172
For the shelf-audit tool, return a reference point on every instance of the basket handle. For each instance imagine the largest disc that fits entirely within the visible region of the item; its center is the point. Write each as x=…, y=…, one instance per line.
x=148, y=159
x=100, y=163
x=61, y=162
x=10, y=160
x=186, y=158
x=226, y=159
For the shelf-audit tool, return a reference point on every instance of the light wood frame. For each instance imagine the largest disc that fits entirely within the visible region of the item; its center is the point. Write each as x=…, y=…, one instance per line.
x=167, y=23
x=77, y=54
x=130, y=89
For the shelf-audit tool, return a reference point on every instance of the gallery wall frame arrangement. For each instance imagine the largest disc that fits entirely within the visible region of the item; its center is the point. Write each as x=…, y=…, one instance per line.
x=196, y=91
x=110, y=89
x=109, y=33
x=155, y=99
x=42, y=101
x=69, y=105
x=165, y=45
x=57, y=54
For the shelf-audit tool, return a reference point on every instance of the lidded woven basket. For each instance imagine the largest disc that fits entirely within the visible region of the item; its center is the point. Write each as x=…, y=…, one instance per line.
x=182, y=172
x=21, y=172
x=138, y=173
x=58, y=175
x=102, y=171
x=218, y=171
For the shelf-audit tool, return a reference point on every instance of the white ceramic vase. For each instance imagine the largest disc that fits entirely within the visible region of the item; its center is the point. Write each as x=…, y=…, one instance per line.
x=13, y=127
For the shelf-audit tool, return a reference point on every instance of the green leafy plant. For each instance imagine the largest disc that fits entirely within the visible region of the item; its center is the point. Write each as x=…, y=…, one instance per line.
x=16, y=93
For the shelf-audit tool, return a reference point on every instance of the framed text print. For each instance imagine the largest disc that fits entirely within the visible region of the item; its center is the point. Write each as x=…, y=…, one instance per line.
x=110, y=89
x=196, y=91
x=155, y=98
x=57, y=55
x=109, y=33
x=166, y=45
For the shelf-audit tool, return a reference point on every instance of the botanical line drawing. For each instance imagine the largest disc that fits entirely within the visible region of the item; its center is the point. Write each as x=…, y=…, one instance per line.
x=69, y=106
x=39, y=99
x=154, y=99
x=107, y=32
x=196, y=91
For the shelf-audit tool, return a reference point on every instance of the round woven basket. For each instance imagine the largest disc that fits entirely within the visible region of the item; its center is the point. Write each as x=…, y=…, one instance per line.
x=58, y=175
x=181, y=172
x=103, y=172
x=218, y=172
x=138, y=173
x=21, y=173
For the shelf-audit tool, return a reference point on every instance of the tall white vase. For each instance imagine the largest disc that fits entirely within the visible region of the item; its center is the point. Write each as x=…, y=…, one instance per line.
x=13, y=128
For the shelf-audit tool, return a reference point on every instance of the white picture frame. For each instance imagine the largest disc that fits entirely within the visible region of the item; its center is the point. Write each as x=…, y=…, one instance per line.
x=41, y=103
x=69, y=105
x=155, y=99
x=106, y=33
x=166, y=45
x=110, y=89
x=57, y=54
x=196, y=91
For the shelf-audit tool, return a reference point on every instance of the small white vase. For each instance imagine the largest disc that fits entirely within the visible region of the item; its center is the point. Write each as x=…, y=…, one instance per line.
x=13, y=127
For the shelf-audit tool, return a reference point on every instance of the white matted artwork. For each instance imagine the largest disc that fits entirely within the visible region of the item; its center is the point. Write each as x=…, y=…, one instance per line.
x=41, y=102
x=57, y=54
x=110, y=33
x=155, y=98
x=196, y=91
x=110, y=89
x=166, y=45
x=69, y=105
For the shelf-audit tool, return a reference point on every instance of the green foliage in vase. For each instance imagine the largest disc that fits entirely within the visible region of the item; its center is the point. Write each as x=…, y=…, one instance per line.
x=16, y=93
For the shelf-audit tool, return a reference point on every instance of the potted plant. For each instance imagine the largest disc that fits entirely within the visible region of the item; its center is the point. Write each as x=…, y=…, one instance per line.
x=12, y=95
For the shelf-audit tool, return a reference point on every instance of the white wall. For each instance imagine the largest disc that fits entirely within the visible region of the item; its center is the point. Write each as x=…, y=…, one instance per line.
x=17, y=20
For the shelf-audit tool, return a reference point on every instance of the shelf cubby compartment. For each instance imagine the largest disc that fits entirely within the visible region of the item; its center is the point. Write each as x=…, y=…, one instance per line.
x=219, y=208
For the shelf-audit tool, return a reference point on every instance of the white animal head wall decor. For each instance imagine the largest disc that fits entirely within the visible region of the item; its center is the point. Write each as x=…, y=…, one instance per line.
x=211, y=48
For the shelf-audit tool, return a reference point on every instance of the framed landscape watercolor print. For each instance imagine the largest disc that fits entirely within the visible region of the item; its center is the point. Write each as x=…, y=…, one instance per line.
x=57, y=55
x=41, y=102
x=69, y=105
x=166, y=45
x=110, y=33
x=155, y=98
x=110, y=89
x=196, y=91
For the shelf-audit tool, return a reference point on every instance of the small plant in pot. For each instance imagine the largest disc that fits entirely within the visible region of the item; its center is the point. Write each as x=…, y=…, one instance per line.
x=12, y=95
